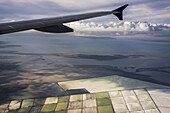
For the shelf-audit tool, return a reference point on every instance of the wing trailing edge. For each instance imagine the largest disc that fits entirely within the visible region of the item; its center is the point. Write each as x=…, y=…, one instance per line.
x=55, y=29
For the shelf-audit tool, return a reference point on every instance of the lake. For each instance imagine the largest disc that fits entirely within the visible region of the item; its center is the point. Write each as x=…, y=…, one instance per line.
x=29, y=60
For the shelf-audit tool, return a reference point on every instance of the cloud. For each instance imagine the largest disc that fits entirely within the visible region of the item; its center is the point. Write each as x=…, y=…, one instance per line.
x=120, y=26
x=121, y=29
x=139, y=10
x=144, y=12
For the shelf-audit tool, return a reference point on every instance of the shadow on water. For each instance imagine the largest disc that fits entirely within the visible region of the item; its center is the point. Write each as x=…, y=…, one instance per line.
x=22, y=84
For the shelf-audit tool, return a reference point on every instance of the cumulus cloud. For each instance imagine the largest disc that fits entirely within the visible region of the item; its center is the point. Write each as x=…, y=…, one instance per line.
x=120, y=26
x=121, y=29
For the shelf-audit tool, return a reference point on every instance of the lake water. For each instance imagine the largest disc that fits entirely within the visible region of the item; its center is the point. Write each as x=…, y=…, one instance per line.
x=29, y=62
x=155, y=48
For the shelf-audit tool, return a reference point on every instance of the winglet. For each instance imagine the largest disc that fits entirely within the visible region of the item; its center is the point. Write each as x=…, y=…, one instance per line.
x=119, y=12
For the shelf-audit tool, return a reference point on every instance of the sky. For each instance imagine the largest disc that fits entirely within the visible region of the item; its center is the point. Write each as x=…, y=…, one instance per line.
x=153, y=11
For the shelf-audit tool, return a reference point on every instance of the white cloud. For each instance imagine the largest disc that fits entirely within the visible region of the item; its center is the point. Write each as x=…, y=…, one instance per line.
x=113, y=29
x=120, y=26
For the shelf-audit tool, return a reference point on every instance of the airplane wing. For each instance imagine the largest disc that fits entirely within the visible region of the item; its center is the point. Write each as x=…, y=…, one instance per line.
x=55, y=25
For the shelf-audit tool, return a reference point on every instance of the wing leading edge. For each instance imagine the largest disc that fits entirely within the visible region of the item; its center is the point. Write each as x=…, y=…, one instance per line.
x=54, y=25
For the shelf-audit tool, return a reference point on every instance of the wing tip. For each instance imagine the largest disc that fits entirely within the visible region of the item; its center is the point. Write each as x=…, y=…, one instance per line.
x=119, y=11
